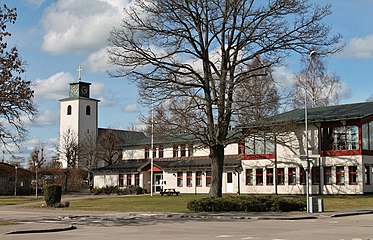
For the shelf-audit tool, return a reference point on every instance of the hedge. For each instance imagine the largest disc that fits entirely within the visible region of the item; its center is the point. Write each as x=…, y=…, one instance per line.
x=261, y=203
x=52, y=195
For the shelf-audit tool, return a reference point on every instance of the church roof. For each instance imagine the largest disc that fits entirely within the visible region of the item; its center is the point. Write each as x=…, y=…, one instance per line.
x=126, y=136
x=343, y=112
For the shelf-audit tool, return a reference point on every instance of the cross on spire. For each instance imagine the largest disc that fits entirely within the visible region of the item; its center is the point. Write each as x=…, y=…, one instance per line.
x=79, y=70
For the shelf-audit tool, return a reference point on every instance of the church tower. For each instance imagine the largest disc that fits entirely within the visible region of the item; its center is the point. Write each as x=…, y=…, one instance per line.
x=78, y=119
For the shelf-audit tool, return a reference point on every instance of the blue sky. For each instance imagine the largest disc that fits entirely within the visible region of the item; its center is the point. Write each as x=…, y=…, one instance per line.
x=54, y=37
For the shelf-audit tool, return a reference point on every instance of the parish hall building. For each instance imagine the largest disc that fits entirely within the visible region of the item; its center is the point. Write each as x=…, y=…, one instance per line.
x=267, y=157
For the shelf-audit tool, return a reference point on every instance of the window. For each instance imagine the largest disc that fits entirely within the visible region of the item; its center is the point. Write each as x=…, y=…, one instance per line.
x=352, y=175
x=340, y=138
x=292, y=176
x=189, y=179
x=269, y=176
x=315, y=175
x=121, y=182
x=154, y=152
x=190, y=150
x=249, y=176
x=147, y=153
x=179, y=179
x=137, y=179
x=367, y=136
x=208, y=178
x=367, y=175
x=259, y=144
x=199, y=179
x=175, y=151
x=259, y=176
x=160, y=152
x=183, y=151
x=69, y=110
x=280, y=176
x=327, y=175
x=88, y=110
x=129, y=179
x=340, y=172
x=302, y=174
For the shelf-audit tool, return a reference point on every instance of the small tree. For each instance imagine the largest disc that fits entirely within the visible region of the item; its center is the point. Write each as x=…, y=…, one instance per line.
x=52, y=195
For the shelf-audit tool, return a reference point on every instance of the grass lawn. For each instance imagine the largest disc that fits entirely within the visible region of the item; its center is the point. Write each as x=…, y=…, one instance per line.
x=335, y=203
x=146, y=203
x=11, y=200
x=157, y=203
x=139, y=203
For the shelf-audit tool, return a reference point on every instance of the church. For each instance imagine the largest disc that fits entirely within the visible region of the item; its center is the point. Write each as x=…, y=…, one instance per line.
x=334, y=156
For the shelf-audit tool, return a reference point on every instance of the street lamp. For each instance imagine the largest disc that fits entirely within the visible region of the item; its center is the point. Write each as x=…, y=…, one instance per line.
x=15, y=181
x=311, y=55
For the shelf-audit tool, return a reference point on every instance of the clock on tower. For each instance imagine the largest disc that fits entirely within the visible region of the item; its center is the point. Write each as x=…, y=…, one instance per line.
x=79, y=89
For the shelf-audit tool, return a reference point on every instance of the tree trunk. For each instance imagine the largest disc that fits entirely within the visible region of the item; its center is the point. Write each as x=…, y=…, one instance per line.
x=217, y=163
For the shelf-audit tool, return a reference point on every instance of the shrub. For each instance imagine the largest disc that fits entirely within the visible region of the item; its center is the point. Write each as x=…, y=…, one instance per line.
x=52, y=195
x=261, y=203
x=129, y=190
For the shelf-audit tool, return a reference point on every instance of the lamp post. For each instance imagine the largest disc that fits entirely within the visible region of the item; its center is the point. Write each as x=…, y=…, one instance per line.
x=15, y=181
x=311, y=55
x=151, y=153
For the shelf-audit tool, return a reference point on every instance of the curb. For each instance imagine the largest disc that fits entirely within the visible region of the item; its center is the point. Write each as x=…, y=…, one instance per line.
x=71, y=227
x=351, y=213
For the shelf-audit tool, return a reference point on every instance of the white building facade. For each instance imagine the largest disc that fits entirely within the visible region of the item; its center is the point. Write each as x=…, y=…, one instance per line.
x=340, y=157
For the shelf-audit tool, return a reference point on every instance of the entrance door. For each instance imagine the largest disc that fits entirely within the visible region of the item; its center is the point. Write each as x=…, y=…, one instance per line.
x=229, y=182
x=158, y=183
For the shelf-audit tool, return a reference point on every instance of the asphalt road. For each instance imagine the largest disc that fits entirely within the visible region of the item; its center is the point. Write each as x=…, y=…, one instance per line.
x=112, y=225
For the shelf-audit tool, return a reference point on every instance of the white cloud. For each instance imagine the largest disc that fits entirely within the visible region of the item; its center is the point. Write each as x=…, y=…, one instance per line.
x=54, y=87
x=283, y=76
x=80, y=26
x=360, y=47
x=130, y=108
x=45, y=118
x=98, y=61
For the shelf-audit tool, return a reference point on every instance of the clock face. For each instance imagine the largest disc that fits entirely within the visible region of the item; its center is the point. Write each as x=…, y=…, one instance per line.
x=74, y=91
x=84, y=90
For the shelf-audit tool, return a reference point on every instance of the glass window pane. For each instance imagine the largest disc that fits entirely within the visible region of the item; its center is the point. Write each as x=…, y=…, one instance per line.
x=339, y=138
x=249, y=145
x=370, y=136
x=352, y=138
x=269, y=176
x=259, y=145
x=269, y=145
x=365, y=137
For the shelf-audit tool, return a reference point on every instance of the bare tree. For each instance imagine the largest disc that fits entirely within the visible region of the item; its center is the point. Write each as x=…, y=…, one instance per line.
x=257, y=97
x=35, y=160
x=15, y=93
x=68, y=151
x=108, y=145
x=89, y=154
x=322, y=87
x=195, y=53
